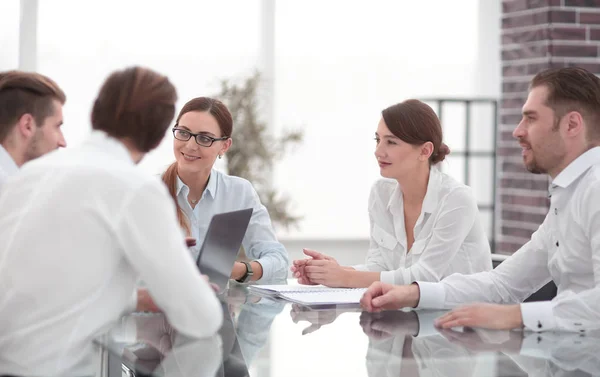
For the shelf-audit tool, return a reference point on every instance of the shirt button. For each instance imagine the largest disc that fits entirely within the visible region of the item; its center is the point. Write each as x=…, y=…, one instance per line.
x=556, y=211
x=539, y=325
x=556, y=243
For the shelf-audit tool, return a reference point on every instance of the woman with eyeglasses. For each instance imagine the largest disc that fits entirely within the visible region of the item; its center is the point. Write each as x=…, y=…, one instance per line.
x=202, y=133
x=424, y=224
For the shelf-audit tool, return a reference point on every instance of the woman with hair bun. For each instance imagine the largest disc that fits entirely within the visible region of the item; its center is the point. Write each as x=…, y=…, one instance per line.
x=424, y=224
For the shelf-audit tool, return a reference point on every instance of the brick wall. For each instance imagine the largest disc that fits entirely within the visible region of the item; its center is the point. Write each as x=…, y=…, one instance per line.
x=536, y=34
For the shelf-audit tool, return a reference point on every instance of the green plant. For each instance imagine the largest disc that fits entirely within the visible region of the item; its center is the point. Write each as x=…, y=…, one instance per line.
x=255, y=148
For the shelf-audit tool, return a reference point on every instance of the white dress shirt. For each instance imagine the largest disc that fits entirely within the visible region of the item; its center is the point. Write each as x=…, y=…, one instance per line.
x=8, y=166
x=565, y=248
x=226, y=193
x=448, y=234
x=77, y=229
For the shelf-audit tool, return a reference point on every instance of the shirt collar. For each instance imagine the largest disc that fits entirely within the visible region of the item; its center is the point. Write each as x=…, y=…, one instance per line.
x=211, y=187
x=577, y=167
x=101, y=140
x=7, y=163
x=431, y=196
x=433, y=189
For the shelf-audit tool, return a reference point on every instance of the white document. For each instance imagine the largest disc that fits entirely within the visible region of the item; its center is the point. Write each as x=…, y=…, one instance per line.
x=312, y=294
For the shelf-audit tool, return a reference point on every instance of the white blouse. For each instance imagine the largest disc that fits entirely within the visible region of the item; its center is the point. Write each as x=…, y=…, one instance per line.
x=448, y=234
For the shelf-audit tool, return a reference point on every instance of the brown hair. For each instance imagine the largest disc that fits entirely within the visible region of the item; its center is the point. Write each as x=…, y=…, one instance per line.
x=136, y=104
x=573, y=89
x=415, y=122
x=26, y=93
x=221, y=113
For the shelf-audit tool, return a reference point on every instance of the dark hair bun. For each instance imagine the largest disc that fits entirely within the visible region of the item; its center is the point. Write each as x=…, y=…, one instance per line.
x=440, y=154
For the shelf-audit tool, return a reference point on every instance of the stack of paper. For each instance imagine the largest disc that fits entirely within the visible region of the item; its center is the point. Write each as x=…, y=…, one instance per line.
x=312, y=294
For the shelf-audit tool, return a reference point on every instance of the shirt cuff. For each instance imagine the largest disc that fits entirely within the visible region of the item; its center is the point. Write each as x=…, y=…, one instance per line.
x=536, y=345
x=431, y=295
x=538, y=316
x=267, y=269
x=387, y=277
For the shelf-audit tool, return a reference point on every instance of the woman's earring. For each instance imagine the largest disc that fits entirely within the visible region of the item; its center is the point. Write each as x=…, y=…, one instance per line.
x=220, y=156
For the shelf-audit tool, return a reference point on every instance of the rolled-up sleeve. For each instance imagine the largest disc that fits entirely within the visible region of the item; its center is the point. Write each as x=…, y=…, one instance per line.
x=260, y=243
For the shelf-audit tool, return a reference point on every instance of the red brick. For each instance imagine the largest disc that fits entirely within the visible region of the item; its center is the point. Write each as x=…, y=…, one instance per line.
x=525, y=52
x=517, y=232
x=514, y=103
x=515, y=87
x=512, y=119
x=529, y=201
x=592, y=67
x=526, y=184
x=535, y=218
x=589, y=18
x=520, y=5
x=525, y=36
x=507, y=248
x=509, y=151
x=513, y=167
x=587, y=51
x=583, y=3
x=507, y=136
x=530, y=19
x=524, y=69
x=595, y=34
x=563, y=17
x=567, y=33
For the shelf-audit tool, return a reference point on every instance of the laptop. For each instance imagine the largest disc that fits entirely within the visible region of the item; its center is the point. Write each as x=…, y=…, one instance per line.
x=222, y=245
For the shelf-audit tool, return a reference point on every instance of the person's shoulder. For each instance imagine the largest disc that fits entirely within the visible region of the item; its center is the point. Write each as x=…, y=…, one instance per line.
x=589, y=187
x=382, y=190
x=453, y=190
x=232, y=182
x=384, y=185
x=593, y=174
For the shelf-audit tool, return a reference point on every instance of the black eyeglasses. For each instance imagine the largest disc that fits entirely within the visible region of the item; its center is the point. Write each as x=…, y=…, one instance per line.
x=201, y=139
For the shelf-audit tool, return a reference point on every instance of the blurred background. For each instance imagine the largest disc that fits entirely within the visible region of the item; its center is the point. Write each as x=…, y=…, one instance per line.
x=323, y=71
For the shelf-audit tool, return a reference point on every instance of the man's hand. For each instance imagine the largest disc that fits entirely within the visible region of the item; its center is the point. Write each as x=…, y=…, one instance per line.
x=145, y=303
x=391, y=323
x=487, y=316
x=298, y=267
x=381, y=296
x=472, y=340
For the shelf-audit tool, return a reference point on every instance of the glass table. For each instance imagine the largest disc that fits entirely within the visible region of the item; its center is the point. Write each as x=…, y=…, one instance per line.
x=266, y=337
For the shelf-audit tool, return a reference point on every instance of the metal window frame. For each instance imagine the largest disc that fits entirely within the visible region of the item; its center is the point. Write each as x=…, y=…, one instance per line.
x=467, y=153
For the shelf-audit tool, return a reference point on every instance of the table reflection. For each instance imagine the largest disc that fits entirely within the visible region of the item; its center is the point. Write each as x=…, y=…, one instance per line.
x=263, y=337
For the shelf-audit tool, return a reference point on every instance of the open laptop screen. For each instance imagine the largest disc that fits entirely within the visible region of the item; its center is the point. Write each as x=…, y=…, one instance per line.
x=222, y=245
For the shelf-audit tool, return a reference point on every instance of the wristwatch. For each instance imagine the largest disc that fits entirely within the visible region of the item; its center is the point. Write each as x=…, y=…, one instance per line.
x=248, y=275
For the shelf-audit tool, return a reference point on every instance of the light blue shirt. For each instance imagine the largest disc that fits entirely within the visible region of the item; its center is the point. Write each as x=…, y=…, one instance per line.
x=226, y=193
x=8, y=166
